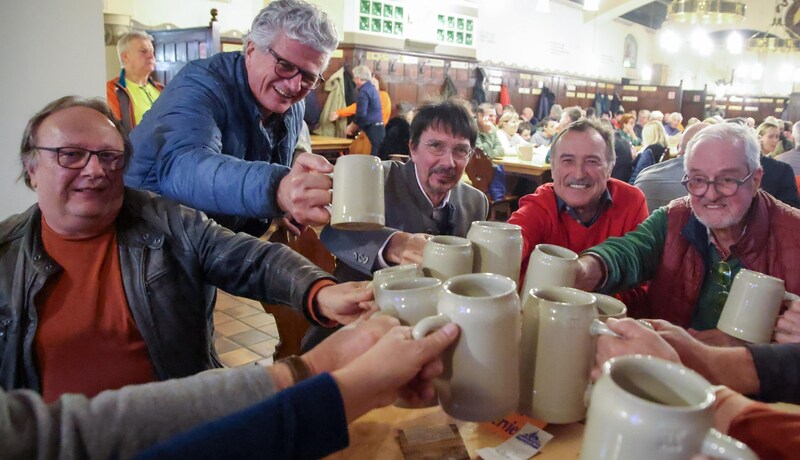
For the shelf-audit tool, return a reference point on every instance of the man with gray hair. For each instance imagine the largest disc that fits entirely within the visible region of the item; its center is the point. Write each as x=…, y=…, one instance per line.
x=221, y=137
x=691, y=250
x=792, y=157
x=369, y=115
x=133, y=93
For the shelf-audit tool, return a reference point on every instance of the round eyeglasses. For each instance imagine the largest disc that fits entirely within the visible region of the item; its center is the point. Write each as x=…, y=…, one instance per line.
x=439, y=148
x=725, y=186
x=78, y=158
x=287, y=69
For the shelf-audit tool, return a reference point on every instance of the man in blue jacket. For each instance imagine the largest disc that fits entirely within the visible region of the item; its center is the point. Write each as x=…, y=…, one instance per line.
x=221, y=137
x=369, y=115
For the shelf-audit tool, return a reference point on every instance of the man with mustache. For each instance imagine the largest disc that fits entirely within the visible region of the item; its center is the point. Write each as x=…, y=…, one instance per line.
x=690, y=250
x=423, y=197
x=583, y=205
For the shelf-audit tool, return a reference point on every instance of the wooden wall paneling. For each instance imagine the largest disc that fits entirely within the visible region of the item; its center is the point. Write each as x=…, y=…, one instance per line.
x=693, y=104
x=793, y=112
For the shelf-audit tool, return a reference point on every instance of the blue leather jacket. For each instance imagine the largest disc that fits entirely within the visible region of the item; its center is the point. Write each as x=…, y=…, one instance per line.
x=191, y=144
x=171, y=259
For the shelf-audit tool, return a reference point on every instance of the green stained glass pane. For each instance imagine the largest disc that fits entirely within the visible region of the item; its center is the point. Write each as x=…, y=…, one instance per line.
x=376, y=8
x=376, y=25
x=468, y=40
x=398, y=12
x=460, y=24
x=451, y=22
x=460, y=38
x=365, y=4
x=440, y=35
x=469, y=25
x=450, y=36
x=388, y=11
x=363, y=23
x=387, y=27
x=398, y=28
x=442, y=22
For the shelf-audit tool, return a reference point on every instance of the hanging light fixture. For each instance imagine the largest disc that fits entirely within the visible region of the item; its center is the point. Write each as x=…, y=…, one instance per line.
x=777, y=38
x=706, y=11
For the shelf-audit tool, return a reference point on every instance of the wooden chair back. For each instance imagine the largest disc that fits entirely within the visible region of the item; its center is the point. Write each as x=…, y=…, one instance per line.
x=292, y=325
x=480, y=171
x=361, y=146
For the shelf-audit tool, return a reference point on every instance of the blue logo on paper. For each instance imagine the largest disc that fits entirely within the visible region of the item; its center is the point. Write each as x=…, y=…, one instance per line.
x=531, y=439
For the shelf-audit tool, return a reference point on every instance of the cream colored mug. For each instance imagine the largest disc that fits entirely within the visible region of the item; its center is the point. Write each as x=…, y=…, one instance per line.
x=497, y=248
x=447, y=256
x=525, y=152
x=610, y=307
x=752, y=307
x=357, y=202
x=557, y=351
x=393, y=273
x=409, y=299
x=550, y=265
x=481, y=377
x=648, y=408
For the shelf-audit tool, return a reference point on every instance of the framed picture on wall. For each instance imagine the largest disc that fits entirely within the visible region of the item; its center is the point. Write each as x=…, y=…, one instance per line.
x=630, y=52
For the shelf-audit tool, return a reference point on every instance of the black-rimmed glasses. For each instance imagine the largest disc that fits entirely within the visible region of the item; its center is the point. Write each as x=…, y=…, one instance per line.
x=725, y=186
x=439, y=148
x=78, y=158
x=287, y=69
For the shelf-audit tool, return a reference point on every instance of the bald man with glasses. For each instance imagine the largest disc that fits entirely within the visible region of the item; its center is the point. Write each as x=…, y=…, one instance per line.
x=691, y=249
x=221, y=137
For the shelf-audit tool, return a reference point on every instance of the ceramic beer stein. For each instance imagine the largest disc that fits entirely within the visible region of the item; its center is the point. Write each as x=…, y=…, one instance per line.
x=447, y=256
x=394, y=272
x=550, y=265
x=497, y=248
x=351, y=208
x=409, y=299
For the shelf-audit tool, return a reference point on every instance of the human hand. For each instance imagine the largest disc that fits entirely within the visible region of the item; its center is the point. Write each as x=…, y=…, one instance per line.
x=397, y=366
x=787, y=329
x=405, y=248
x=636, y=339
x=348, y=343
x=351, y=129
x=589, y=274
x=715, y=338
x=306, y=190
x=333, y=117
x=345, y=302
x=287, y=223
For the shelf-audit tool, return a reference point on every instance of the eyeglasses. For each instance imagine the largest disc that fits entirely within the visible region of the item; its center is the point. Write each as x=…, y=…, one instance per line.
x=721, y=276
x=78, y=158
x=725, y=186
x=439, y=148
x=286, y=69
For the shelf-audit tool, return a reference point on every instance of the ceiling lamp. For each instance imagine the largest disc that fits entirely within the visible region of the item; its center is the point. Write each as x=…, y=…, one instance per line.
x=706, y=11
x=777, y=38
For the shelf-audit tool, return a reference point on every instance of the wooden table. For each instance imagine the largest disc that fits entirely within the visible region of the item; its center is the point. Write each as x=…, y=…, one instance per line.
x=514, y=165
x=373, y=435
x=330, y=147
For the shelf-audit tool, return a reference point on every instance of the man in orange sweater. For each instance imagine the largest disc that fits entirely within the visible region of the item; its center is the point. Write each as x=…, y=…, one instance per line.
x=584, y=205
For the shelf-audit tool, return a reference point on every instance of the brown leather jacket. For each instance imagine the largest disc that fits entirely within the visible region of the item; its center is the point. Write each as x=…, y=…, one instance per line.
x=770, y=244
x=172, y=259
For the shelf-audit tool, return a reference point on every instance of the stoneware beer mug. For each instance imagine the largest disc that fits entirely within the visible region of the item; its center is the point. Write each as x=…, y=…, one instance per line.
x=550, y=265
x=610, y=307
x=394, y=273
x=557, y=352
x=447, y=256
x=525, y=152
x=357, y=202
x=752, y=307
x=481, y=377
x=409, y=299
x=649, y=408
x=497, y=248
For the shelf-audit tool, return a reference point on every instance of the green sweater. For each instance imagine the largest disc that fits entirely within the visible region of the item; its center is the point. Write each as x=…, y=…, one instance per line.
x=490, y=144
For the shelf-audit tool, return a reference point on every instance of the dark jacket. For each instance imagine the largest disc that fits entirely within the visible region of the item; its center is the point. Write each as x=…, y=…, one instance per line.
x=398, y=133
x=203, y=144
x=368, y=106
x=623, y=167
x=171, y=259
x=778, y=181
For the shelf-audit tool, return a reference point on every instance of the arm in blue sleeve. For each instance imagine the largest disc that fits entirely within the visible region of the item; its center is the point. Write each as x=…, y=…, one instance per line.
x=303, y=421
x=358, y=249
x=633, y=258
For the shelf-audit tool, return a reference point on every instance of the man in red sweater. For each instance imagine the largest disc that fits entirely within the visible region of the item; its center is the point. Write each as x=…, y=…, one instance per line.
x=584, y=205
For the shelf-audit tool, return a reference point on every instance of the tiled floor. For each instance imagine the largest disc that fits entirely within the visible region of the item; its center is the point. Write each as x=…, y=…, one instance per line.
x=244, y=333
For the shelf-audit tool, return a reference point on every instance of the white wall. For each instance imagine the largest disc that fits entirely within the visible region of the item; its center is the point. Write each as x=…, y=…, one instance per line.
x=49, y=49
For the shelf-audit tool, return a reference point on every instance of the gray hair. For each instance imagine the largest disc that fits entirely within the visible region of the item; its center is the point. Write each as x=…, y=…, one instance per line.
x=739, y=137
x=796, y=132
x=297, y=19
x=657, y=115
x=362, y=72
x=122, y=44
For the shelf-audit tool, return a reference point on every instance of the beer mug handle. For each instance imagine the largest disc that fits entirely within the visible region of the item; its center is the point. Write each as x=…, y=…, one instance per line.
x=427, y=325
x=600, y=328
x=791, y=297
x=718, y=445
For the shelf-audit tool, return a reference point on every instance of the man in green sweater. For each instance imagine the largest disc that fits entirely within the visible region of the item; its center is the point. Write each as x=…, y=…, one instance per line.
x=691, y=250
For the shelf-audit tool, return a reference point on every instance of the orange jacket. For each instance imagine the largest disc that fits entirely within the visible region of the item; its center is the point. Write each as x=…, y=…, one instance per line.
x=386, y=108
x=118, y=96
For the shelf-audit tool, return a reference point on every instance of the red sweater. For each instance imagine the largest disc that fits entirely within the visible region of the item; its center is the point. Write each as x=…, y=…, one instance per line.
x=770, y=433
x=542, y=223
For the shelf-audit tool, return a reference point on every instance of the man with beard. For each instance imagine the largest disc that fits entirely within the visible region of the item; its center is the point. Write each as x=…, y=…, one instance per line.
x=691, y=250
x=423, y=197
x=583, y=205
